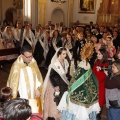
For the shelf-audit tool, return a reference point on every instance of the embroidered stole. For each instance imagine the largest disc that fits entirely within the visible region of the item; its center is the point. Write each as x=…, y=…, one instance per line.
x=83, y=89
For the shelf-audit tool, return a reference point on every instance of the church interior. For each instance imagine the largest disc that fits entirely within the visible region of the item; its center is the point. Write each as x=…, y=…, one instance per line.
x=36, y=12
x=47, y=14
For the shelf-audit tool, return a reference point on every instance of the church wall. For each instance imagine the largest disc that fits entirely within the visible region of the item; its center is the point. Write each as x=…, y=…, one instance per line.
x=5, y=5
x=51, y=6
x=84, y=17
x=34, y=13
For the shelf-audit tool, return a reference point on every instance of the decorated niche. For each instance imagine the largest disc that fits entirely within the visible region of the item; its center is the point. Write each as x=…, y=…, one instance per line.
x=18, y=5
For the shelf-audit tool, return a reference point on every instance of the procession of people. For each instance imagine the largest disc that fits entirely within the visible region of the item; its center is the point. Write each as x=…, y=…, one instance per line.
x=81, y=63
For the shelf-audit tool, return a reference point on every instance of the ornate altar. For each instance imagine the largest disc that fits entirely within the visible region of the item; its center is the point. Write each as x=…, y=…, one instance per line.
x=109, y=12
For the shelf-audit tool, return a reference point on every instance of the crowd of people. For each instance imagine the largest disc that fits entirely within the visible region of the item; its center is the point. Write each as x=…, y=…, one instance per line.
x=83, y=69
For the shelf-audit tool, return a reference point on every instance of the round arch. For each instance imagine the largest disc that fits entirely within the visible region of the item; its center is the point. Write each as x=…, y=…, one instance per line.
x=57, y=16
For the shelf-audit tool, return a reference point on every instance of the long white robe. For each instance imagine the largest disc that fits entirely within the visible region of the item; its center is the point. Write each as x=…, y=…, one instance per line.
x=25, y=79
x=22, y=84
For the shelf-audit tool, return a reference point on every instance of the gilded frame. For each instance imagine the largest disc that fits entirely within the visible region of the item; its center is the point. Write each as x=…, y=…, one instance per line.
x=87, y=6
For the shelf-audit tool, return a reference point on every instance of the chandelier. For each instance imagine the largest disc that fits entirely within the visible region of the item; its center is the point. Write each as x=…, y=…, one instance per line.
x=59, y=1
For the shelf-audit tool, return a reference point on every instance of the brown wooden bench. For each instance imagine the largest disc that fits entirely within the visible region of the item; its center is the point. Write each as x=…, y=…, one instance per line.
x=9, y=51
x=4, y=52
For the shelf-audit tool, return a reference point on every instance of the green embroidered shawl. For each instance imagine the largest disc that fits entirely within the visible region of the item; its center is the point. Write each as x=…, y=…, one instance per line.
x=83, y=88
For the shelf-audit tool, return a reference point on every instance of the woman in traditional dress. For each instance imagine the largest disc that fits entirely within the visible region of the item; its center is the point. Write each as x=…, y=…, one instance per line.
x=37, y=32
x=75, y=36
x=110, y=49
x=69, y=43
x=9, y=41
x=18, y=34
x=56, y=42
x=2, y=46
x=9, y=38
x=28, y=37
x=55, y=84
x=41, y=47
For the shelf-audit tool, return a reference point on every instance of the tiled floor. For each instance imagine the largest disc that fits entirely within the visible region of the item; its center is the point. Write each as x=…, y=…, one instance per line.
x=4, y=76
x=104, y=117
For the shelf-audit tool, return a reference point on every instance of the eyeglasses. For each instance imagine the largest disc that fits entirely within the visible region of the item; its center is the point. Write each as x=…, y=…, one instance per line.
x=28, y=56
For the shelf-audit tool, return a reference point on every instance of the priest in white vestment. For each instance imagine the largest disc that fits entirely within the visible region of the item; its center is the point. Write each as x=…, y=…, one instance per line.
x=25, y=77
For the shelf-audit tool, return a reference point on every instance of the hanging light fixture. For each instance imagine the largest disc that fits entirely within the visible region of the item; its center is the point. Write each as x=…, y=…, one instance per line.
x=59, y=1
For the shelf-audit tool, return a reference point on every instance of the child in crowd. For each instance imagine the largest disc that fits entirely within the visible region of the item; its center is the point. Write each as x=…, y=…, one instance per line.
x=5, y=95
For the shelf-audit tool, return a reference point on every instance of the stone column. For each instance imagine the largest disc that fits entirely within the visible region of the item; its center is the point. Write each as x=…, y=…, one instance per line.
x=34, y=13
x=41, y=12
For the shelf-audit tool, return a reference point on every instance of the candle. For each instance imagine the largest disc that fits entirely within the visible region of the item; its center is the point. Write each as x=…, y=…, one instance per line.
x=110, y=18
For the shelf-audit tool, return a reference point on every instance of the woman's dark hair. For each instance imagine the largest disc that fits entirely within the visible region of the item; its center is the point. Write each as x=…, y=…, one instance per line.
x=17, y=109
x=60, y=51
x=103, y=51
x=26, y=48
x=118, y=51
x=72, y=40
x=70, y=36
x=117, y=64
x=5, y=94
x=57, y=32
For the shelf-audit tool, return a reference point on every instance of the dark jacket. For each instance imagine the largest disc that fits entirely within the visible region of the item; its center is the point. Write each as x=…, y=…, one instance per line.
x=56, y=80
x=77, y=49
x=112, y=86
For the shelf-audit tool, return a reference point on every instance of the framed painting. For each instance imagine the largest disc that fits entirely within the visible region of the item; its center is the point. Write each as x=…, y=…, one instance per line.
x=87, y=6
